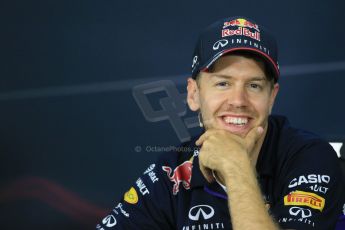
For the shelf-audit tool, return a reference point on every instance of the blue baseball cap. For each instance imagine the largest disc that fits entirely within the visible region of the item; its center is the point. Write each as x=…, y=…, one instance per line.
x=234, y=34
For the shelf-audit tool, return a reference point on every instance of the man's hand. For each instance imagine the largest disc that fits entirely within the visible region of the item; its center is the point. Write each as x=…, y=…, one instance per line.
x=226, y=153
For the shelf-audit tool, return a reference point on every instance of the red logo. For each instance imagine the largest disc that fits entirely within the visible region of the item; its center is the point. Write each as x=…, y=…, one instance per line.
x=241, y=22
x=182, y=174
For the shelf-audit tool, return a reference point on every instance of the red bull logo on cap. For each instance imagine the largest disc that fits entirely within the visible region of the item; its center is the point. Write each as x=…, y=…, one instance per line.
x=182, y=174
x=242, y=23
x=241, y=32
x=244, y=28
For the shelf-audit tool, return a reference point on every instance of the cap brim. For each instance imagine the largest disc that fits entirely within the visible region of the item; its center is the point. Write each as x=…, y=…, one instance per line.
x=267, y=58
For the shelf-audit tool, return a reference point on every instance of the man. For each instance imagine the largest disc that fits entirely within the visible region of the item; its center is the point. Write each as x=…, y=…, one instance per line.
x=248, y=170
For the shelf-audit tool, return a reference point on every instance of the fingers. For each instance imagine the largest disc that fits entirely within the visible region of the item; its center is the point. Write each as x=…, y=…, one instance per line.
x=250, y=140
x=204, y=136
x=207, y=134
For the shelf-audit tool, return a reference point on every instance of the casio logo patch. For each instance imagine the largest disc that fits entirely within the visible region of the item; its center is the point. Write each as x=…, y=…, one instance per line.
x=309, y=179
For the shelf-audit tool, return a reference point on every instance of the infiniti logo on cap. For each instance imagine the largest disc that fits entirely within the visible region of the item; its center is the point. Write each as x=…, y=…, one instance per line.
x=195, y=60
x=205, y=211
x=220, y=43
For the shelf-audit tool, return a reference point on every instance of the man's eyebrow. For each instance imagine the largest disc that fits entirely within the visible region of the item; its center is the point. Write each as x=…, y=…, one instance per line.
x=214, y=75
x=256, y=78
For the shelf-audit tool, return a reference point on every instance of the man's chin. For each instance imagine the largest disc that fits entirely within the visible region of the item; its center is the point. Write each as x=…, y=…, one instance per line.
x=241, y=132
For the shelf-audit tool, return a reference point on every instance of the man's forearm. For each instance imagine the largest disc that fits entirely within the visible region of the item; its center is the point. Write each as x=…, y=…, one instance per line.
x=246, y=204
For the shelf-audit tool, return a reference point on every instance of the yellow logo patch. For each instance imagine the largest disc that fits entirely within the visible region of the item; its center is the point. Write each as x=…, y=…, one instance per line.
x=300, y=198
x=131, y=196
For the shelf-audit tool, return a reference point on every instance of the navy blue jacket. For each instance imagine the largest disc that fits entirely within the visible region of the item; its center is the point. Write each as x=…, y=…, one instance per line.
x=298, y=172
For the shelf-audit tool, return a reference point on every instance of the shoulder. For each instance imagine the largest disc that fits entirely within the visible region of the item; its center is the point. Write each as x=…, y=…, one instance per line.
x=293, y=141
x=307, y=167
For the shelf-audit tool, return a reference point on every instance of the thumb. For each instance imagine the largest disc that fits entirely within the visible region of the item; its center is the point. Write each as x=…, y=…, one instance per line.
x=253, y=136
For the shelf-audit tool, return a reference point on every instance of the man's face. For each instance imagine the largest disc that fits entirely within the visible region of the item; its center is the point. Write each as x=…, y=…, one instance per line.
x=236, y=96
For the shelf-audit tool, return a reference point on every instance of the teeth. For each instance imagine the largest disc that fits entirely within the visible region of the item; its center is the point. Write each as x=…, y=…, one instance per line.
x=236, y=120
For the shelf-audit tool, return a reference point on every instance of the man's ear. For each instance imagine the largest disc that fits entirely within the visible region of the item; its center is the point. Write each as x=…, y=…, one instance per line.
x=193, y=97
x=273, y=95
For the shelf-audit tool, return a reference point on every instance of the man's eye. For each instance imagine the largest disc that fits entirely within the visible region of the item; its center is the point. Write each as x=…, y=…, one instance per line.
x=222, y=84
x=255, y=86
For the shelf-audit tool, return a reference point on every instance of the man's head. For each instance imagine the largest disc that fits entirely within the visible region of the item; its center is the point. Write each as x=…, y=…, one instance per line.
x=236, y=88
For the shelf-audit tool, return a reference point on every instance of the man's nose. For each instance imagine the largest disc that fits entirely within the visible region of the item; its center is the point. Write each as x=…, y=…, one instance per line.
x=238, y=97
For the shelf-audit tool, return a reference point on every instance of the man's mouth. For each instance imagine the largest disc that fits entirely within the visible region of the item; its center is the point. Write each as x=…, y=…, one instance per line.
x=240, y=121
x=236, y=124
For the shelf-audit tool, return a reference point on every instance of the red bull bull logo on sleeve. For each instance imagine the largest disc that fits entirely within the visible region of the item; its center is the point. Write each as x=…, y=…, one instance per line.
x=182, y=174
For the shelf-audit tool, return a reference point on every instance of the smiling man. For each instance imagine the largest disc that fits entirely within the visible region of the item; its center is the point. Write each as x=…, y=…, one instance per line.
x=248, y=169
